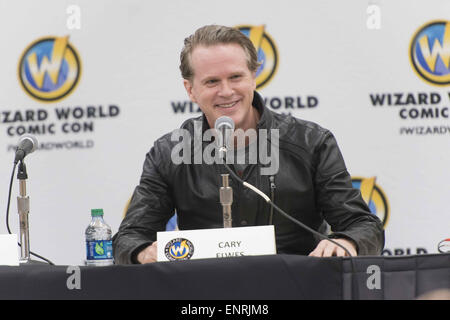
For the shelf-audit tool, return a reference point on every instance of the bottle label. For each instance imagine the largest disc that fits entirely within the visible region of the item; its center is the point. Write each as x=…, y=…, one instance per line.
x=99, y=249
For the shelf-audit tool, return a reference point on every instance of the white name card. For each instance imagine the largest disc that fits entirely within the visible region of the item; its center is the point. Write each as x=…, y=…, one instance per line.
x=216, y=243
x=9, y=253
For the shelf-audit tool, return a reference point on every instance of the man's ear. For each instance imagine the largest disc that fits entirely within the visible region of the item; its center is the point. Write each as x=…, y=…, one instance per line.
x=189, y=88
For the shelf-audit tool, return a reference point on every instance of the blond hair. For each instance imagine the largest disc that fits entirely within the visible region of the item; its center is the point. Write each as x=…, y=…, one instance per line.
x=212, y=35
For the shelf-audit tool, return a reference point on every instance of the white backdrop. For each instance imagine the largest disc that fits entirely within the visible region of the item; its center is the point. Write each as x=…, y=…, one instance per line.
x=338, y=53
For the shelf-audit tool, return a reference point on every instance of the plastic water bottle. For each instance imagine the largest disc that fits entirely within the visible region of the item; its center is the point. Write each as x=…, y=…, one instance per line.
x=98, y=241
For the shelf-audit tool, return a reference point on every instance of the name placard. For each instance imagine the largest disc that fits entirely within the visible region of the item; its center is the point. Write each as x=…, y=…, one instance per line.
x=9, y=252
x=216, y=243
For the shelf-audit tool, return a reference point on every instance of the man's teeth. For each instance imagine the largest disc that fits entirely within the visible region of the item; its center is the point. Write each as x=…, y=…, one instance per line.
x=226, y=105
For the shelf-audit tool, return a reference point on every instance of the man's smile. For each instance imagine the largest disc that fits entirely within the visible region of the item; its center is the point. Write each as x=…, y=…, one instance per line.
x=227, y=105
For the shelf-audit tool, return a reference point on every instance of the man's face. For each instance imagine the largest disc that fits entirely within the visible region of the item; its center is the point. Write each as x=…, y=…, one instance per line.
x=222, y=84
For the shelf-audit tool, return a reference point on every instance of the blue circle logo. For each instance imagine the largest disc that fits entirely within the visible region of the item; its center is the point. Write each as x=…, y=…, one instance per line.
x=266, y=50
x=374, y=197
x=430, y=52
x=179, y=249
x=49, y=69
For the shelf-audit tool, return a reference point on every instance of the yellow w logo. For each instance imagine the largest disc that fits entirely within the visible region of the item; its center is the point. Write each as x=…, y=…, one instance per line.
x=51, y=67
x=437, y=49
x=367, y=186
x=180, y=250
x=256, y=36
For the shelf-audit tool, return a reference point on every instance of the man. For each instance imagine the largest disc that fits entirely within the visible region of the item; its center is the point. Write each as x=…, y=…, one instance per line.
x=219, y=67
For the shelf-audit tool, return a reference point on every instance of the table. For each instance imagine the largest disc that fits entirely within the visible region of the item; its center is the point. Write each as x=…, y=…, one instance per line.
x=272, y=277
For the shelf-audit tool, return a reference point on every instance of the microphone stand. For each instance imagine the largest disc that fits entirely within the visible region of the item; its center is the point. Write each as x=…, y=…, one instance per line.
x=226, y=199
x=226, y=192
x=23, y=206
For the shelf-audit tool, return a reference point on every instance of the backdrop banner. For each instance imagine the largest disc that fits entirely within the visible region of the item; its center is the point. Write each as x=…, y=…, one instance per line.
x=98, y=81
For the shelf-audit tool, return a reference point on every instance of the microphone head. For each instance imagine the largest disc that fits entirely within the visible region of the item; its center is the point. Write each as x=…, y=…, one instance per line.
x=224, y=129
x=224, y=121
x=27, y=144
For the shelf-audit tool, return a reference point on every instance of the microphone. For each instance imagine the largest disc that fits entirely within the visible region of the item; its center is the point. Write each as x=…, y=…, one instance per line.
x=224, y=128
x=27, y=144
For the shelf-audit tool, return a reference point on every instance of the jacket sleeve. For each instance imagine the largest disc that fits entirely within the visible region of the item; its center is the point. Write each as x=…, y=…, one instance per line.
x=342, y=205
x=150, y=208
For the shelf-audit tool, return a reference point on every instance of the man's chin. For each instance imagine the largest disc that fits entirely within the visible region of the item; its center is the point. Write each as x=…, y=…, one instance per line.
x=229, y=112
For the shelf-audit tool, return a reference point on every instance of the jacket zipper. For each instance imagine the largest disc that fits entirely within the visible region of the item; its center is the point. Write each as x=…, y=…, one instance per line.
x=272, y=197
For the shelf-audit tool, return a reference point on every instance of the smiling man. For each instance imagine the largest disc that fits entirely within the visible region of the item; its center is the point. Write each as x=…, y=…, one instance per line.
x=219, y=65
x=223, y=84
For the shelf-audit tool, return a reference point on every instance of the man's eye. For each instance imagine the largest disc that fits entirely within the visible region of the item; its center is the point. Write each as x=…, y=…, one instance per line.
x=237, y=76
x=212, y=81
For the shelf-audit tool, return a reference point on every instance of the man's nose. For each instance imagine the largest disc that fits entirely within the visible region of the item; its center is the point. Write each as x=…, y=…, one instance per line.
x=226, y=90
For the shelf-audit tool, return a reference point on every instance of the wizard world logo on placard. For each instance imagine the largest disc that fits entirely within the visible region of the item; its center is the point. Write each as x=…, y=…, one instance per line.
x=179, y=249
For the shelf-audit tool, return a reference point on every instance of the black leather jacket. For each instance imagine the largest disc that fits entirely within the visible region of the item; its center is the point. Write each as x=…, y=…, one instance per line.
x=312, y=185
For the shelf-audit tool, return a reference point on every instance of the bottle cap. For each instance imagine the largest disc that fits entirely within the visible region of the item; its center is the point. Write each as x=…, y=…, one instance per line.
x=96, y=212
